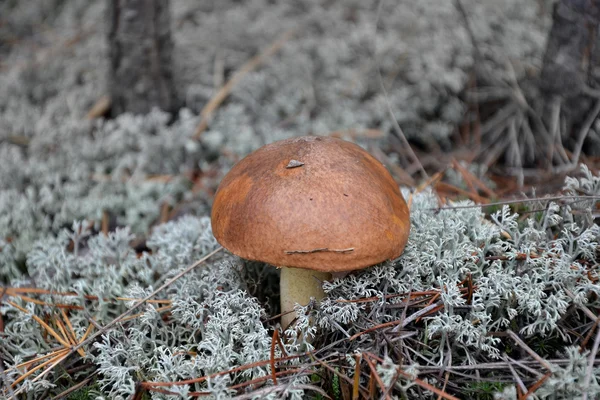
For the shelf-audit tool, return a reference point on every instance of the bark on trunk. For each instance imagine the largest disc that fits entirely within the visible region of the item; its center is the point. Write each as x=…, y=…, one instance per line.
x=141, y=70
x=571, y=64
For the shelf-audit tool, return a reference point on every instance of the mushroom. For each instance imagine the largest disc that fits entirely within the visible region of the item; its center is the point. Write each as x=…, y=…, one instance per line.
x=311, y=206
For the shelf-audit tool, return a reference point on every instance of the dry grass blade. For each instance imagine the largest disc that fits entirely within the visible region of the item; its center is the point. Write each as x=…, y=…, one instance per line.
x=100, y=107
x=35, y=360
x=28, y=299
x=71, y=332
x=274, y=340
x=429, y=182
x=447, y=187
x=252, y=64
x=589, y=335
x=356, y=384
x=134, y=316
x=87, y=333
x=105, y=224
x=165, y=212
x=51, y=331
x=478, y=54
x=372, y=387
x=58, y=355
x=42, y=303
x=142, y=389
x=57, y=361
x=281, y=346
x=465, y=175
x=468, y=175
x=12, y=291
x=63, y=331
x=337, y=373
x=535, y=386
x=376, y=376
x=446, y=379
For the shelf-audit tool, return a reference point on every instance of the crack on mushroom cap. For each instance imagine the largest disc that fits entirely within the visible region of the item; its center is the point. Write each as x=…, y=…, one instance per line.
x=342, y=251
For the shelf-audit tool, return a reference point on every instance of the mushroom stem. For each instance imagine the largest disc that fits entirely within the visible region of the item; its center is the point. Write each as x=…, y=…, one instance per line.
x=297, y=286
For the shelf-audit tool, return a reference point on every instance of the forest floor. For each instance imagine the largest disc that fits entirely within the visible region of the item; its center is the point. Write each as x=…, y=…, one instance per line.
x=103, y=219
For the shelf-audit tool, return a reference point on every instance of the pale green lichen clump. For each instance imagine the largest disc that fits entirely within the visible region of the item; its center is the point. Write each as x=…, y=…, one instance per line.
x=528, y=272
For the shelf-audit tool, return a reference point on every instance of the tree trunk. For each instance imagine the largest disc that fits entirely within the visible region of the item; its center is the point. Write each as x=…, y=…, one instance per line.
x=141, y=70
x=571, y=65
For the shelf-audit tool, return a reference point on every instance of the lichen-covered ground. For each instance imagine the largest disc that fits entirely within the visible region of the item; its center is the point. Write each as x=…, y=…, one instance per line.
x=481, y=302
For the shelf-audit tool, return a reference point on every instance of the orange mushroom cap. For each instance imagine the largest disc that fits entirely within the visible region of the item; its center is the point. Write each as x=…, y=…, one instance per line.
x=311, y=202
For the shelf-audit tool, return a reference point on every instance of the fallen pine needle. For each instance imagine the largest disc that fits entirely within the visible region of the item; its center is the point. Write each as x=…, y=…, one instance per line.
x=56, y=356
x=42, y=323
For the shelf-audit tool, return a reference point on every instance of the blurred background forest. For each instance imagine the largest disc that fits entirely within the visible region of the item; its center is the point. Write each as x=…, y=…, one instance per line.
x=483, y=83
x=126, y=114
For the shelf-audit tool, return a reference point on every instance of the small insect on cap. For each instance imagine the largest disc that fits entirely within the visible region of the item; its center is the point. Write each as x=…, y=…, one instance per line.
x=311, y=202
